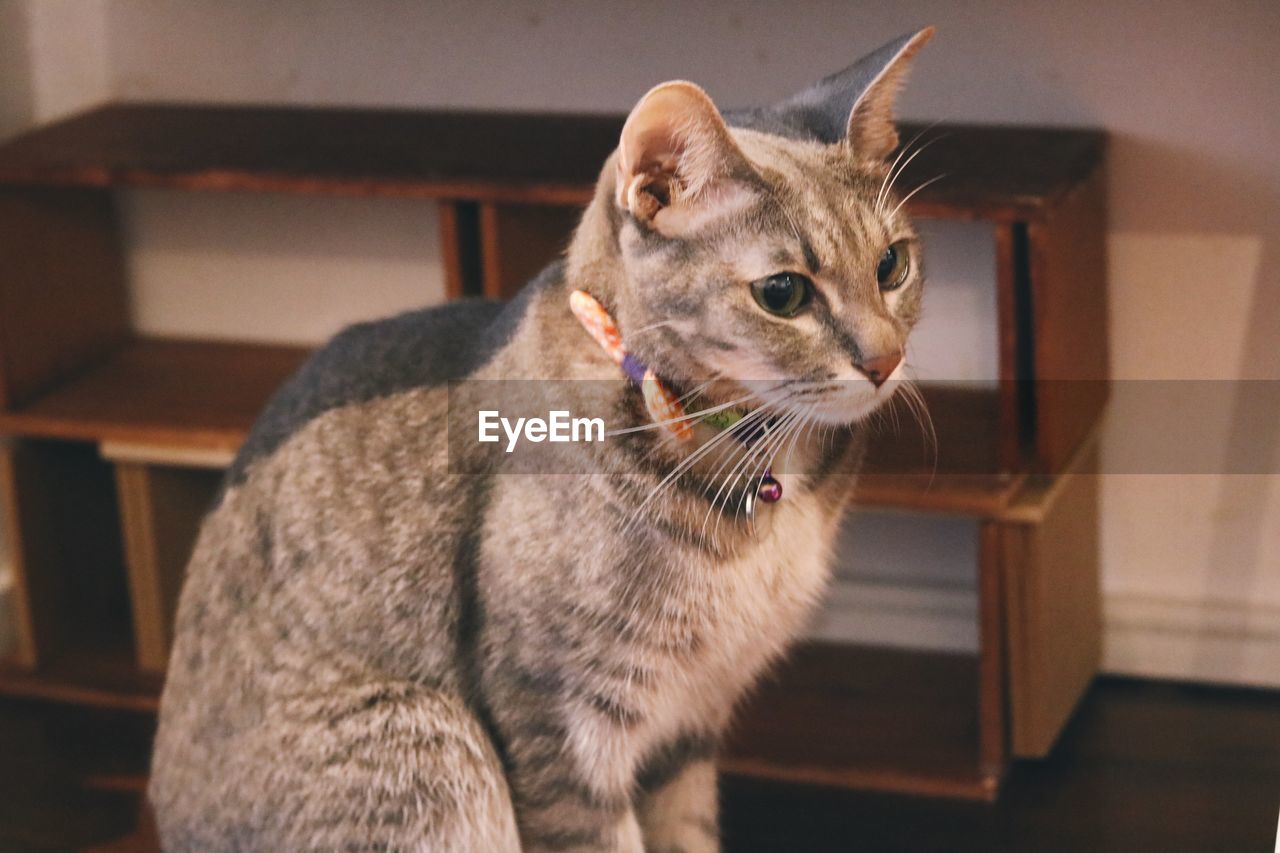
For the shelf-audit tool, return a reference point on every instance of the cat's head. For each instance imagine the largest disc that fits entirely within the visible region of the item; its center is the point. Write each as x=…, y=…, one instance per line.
x=764, y=246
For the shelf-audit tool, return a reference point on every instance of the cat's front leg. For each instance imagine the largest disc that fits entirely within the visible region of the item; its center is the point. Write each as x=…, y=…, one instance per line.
x=557, y=812
x=562, y=802
x=682, y=814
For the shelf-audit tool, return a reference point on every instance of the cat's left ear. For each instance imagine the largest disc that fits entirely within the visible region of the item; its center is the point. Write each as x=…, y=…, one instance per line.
x=677, y=163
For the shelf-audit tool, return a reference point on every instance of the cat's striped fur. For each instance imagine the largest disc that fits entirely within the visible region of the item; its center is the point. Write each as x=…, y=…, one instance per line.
x=374, y=651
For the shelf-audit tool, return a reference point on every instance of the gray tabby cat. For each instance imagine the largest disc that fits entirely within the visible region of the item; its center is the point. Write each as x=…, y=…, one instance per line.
x=375, y=651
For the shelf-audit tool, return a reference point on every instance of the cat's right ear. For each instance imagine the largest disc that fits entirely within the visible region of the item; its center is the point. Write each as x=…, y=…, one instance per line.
x=854, y=106
x=677, y=164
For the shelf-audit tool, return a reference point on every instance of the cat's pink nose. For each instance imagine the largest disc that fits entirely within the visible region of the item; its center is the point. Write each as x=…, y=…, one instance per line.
x=880, y=368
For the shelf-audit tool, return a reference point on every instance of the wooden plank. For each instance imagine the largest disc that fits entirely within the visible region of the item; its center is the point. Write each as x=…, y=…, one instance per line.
x=1068, y=260
x=62, y=293
x=1053, y=604
x=1004, y=173
x=381, y=152
x=161, y=510
x=863, y=717
x=174, y=457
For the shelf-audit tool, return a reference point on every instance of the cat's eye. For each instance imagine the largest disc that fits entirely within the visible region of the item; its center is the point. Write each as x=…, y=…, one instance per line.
x=783, y=294
x=891, y=271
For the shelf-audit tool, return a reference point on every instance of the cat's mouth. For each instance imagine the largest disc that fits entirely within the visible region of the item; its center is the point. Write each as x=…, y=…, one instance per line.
x=832, y=402
x=839, y=402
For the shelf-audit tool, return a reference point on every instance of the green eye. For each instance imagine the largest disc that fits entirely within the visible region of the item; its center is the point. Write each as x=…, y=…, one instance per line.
x=892, y=269
x=783, y=294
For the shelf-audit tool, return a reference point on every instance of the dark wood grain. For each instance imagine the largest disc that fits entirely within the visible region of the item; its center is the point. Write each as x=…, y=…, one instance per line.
x=992, y=172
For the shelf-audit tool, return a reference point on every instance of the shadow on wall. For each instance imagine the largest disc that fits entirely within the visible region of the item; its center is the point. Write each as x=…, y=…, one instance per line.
x=1195, y=246
x=1245, y=506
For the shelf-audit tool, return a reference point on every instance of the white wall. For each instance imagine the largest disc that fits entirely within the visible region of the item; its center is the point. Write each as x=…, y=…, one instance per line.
x=1192, y=570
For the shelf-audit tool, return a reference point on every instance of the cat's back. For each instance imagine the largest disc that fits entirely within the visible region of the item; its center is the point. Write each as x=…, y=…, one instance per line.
x=371, y=361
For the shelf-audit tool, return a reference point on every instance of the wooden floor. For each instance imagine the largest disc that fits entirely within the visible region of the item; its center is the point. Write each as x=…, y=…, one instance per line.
x=1144, y=767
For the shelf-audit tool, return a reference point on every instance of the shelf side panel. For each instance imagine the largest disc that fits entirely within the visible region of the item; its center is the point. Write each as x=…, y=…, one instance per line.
x=1068, y=259
x=1053, y=606
x=63, y=303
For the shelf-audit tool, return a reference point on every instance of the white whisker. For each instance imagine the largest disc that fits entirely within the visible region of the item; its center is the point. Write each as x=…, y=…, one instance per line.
x=906, y=198
x=892, y=178
x=649, y=328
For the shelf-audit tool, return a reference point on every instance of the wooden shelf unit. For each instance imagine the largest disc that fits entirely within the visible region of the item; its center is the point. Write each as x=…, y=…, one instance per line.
x=130, y=430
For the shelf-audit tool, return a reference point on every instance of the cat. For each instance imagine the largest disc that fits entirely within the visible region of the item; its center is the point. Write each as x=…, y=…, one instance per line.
x=375, y=650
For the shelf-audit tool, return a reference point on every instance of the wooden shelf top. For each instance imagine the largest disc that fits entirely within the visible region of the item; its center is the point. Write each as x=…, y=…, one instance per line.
x=186, y=394
x=991, y=172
